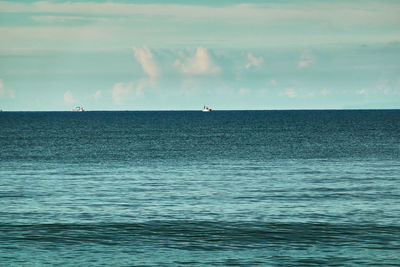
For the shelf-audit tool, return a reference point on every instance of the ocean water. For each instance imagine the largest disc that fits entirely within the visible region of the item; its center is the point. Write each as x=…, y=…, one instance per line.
x=251, y=188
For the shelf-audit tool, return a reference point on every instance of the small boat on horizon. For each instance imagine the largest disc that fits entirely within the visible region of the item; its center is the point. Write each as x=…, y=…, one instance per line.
x=206, y=109
x=80, y=109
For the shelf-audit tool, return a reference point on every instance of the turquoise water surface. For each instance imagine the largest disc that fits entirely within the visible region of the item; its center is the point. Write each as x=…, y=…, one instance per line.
x=220, y=188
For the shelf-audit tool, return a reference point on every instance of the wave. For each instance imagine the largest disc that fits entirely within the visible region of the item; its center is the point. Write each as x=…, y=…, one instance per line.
x=207, y=235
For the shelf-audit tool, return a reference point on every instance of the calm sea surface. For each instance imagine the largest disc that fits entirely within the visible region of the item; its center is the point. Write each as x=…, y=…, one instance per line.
x=221, y=188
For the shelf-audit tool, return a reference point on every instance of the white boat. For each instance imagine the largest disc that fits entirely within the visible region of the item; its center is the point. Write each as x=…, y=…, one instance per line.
x=80, y=109
x=206, y=109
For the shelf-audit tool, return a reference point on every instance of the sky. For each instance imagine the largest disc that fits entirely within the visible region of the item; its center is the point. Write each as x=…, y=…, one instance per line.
x=182, y=55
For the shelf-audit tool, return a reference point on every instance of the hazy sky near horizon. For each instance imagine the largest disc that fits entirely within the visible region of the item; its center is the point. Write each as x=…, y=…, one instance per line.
x=162, y=55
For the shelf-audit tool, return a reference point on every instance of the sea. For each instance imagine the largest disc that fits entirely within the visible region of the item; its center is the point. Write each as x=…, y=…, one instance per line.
x=224, y=188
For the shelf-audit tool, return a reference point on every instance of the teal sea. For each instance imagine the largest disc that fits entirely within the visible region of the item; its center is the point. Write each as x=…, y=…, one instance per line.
x=168, y=188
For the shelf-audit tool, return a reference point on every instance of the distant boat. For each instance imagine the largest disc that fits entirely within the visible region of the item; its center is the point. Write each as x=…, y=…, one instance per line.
x=206, y=109
x=80, y=109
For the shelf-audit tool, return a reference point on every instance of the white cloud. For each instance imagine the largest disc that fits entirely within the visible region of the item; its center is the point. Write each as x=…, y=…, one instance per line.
x=4, y=92
x=145, y=58
x=113, y=24
x=306, y=59
x=290, y=92
x=324, y=92
x=384, y=87
x=69, y=98
x=253, y=61
x=120, y=91
x=64, y=19
x=97, y=95
x=143, y=83
x=348, y=12
x=361, y=92
x=199, y=64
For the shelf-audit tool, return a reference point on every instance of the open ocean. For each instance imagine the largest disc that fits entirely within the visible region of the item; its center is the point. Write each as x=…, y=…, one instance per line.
x=167, y=188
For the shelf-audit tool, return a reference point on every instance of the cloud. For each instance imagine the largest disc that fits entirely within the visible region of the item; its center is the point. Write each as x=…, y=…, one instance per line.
x=97, y=95
x=349, y=12
x=145, y=58
x=69, y=98
x=253, y=61
x=324, y=92
x=361, y=92
x=290, y=92
x=4, y=92
x=67, y=19
x=384, y=86
x=120, y=91
x=199, y=64
x=114, y=24
x=306, y=59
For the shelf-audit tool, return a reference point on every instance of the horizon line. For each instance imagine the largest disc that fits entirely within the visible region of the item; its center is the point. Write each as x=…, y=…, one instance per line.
x=198, y=110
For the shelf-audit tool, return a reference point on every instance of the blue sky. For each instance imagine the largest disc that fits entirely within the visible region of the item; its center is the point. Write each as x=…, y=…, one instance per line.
x=180, y=55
